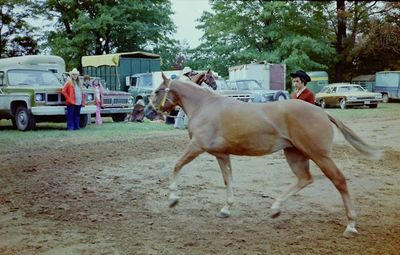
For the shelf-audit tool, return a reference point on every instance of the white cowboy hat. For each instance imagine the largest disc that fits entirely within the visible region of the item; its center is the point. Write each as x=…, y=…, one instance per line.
x=186, y=69
x=74, y=71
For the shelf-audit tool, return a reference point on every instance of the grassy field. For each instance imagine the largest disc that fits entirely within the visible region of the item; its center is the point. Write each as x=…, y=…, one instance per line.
x=127, y=130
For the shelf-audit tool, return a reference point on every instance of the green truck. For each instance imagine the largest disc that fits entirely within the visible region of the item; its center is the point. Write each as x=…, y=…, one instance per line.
x=31, y=92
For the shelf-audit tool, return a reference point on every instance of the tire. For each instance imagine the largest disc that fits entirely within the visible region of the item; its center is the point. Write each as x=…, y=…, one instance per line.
x=342, y=103
x=322, y=103
x=83, y=120
x=373, y=105
x=279, y=96
x=119, y=117
x=24, y=120
x=385, y=98
x=141, y=102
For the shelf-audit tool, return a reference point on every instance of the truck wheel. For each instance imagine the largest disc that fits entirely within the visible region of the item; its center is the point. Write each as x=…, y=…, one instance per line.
x=373, y=105
x=279, y=96
x=342, y=103
x=119, y=117
x=141, y=102
x=24, y=120
x=385, y=98
x=83, y=120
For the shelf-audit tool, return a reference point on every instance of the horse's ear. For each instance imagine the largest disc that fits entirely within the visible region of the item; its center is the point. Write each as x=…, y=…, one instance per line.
x=164, y=77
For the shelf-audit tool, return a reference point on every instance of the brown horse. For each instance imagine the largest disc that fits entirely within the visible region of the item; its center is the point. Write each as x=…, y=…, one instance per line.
x=206, y=77
x=222, y=127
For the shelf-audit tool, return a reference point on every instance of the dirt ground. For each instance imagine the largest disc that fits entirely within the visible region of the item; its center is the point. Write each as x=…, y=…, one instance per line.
x=65, y=199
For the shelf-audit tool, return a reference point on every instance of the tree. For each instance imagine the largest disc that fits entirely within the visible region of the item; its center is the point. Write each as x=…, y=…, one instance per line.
x=96, y=26
x=16, y=35
x=240, y=32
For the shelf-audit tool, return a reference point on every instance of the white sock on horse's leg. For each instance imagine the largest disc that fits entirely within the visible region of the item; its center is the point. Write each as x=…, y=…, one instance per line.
x=173, y=198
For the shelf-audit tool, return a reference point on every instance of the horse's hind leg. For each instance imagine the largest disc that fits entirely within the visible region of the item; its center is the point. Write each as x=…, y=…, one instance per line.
x=226, y=169
x=331, y=171
x=192, y=151
x=300, y=166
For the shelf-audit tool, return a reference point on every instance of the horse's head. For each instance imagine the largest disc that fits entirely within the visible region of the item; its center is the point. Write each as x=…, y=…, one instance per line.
x=162, y=98
x=206, y=77
x=209, y=79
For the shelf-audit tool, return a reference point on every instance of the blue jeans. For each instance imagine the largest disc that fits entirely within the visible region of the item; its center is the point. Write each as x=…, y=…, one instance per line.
x=73, y=117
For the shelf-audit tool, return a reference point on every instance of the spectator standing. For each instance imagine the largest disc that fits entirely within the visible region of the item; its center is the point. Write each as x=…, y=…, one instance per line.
x=299, y=81
x=86, y=81
x=98, y=99
x=74, y=94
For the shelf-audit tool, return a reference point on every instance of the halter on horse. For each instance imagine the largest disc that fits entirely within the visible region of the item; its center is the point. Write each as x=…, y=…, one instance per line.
x=222, y=126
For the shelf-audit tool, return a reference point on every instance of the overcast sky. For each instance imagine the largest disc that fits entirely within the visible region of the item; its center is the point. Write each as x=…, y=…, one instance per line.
x=186, y=13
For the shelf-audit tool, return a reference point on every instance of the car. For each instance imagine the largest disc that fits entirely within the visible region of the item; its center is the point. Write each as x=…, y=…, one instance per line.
x=345, y=95
x=259, y=94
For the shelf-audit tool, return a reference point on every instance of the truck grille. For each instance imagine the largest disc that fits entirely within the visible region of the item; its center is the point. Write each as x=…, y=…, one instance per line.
x=116, y=101
x=241, y=97
x=55, y=98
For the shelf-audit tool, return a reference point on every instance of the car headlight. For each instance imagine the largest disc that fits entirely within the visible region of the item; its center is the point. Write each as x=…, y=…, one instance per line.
x=90, y=97
x=130, y=100
x=378, y=96
x=352, y=98
x=39, y=97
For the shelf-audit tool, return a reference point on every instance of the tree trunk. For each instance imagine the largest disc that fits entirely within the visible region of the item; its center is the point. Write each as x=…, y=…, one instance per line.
x=341, y=33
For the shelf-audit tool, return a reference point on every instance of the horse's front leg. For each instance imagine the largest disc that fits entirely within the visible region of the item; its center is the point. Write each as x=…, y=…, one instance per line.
x=192, y=151
x=226, y=169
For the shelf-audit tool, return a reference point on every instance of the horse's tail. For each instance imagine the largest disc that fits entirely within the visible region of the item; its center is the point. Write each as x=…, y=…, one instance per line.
x=355, y=140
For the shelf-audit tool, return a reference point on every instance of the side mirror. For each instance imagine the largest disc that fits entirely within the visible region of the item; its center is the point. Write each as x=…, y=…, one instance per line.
x=127, y=81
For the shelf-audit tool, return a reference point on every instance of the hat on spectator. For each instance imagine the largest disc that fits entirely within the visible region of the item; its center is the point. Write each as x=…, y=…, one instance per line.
x=302, y=75
x=186, y=70
x=74, y=71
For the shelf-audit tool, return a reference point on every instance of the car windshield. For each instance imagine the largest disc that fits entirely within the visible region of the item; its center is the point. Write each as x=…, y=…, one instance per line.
x=248, y=85
x=20, y=77
x=325, y=89
x=350, y=89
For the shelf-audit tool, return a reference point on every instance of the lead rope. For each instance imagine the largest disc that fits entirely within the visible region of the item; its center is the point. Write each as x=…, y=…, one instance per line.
x=166, y=94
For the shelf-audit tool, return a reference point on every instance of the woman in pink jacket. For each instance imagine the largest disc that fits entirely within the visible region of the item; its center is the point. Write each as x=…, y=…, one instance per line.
x=74, y=99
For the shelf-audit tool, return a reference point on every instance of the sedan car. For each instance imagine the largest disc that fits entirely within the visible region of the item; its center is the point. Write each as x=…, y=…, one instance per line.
x=346, y=95
x=260, y=94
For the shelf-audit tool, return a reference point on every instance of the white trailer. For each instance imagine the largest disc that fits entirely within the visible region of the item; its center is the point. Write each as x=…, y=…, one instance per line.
x=270, y=76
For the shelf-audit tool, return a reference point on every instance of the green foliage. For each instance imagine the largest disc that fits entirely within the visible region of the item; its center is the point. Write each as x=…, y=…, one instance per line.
x=96, y=27
x=16, y=35
x=240, y=32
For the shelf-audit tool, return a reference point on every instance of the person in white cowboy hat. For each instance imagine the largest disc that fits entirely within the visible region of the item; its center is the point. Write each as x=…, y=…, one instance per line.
x=74, y=99
x=181, y=119
x=185, y=74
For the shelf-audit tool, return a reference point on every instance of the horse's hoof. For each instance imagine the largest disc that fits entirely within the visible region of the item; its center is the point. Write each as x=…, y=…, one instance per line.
x=222, y=215
x=275, y=214
x=173, y=203
x=350, y=232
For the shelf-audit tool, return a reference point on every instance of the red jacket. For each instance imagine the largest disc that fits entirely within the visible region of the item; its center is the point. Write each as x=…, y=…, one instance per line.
x=306, y=95
x=69, y=93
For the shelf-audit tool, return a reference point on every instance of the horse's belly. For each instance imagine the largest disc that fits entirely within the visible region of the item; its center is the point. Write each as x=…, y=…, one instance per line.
x=248, y=147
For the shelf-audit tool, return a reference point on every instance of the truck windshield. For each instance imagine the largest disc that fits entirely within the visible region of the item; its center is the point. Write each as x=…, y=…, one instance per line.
x=248, y=85
x=21, y=77
x=146, y=81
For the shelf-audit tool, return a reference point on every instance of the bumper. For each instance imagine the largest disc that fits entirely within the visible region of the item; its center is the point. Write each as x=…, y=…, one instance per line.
x=363, y=102
x=116, y=110
x=59, y=110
